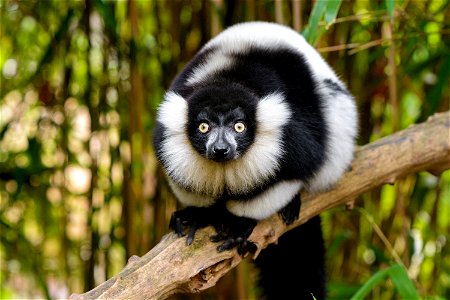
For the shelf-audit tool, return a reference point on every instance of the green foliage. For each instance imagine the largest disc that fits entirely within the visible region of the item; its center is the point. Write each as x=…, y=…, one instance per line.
x=390, y=7
x=323, y=9
x=80, y=190
x=399, y=277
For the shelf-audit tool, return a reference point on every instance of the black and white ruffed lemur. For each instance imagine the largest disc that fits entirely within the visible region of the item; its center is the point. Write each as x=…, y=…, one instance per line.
x=254, y=118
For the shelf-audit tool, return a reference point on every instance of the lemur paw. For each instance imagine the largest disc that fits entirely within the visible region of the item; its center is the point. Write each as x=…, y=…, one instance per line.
x=189, y=220
x=234, y=232
x=291, y=211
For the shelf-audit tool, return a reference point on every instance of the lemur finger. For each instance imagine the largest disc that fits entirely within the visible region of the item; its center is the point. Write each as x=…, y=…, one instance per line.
x=191, y=235
x=220, y=236
x=179, y=227
x=227, y=245
x=246, y=247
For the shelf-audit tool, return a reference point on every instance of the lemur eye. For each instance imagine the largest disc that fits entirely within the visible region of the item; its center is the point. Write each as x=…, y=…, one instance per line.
x=239, y=127
x=203, y=127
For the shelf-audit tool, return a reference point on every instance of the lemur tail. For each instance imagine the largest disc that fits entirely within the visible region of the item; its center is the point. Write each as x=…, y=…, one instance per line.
x=295, y=267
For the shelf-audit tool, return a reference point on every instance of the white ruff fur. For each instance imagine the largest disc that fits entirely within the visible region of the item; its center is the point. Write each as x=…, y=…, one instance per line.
x=268, y=202
x=242, y=37
x=342, y=123
x=190, y=199
x=188, y=168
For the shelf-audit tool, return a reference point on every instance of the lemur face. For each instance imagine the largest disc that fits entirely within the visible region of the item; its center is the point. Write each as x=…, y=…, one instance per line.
x=221, y=136
x=222, y=123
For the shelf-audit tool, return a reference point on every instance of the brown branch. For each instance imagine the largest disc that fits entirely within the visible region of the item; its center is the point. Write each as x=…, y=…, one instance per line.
x=172, y=267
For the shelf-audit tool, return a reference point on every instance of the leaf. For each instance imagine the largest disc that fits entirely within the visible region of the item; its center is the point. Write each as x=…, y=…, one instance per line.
x=340, y=290
x=399, y=277
x=327, y=9
x=390, y=6
x=370, y=284
x=310, y=32
x=332, y=10
x=317, y=13
x=403, y=283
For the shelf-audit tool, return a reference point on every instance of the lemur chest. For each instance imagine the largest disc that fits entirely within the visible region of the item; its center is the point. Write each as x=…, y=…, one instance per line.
x=238, y=178
x=225, y=185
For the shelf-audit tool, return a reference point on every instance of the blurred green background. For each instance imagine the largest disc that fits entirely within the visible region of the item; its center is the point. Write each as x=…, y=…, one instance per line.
x=80, y=190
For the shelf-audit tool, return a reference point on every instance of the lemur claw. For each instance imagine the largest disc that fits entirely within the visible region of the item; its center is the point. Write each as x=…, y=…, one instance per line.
x=189, y=220
x=234, y=232
x=191, y=235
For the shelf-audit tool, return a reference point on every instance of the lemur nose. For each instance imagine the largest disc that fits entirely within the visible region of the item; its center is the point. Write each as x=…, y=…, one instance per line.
x=221, y=150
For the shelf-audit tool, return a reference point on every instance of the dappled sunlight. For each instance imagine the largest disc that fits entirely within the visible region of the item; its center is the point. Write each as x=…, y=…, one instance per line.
x=78, y=179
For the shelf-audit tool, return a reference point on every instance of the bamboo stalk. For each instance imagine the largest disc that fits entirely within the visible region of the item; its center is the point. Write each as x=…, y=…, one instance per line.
x=297, y=15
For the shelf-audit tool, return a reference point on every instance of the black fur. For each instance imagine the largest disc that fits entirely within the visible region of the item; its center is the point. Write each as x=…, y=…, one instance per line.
x=294, y=268
x=335, y=88
x=222, y=104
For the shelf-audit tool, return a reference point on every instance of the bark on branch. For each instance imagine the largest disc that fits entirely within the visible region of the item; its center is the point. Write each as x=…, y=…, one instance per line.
x=172, y=267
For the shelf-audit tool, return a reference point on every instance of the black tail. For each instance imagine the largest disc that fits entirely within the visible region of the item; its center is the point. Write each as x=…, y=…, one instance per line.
x=295, y=267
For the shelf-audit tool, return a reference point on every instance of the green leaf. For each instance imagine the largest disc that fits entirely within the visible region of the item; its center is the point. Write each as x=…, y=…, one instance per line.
x=390, y=6
x=332, y=10
x=310, y=32
x=370, y=284
x=317, y=13
x=403, y=283
x=399, y=277
x=341, y=290
x=327, y=9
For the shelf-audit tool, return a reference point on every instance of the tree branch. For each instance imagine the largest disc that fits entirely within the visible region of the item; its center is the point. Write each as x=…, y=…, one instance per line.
x=172, y=267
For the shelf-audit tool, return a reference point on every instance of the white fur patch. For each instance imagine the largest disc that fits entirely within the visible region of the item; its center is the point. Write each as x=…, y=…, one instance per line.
x=342, y=124
x=215, y=61
x=172, y=113
x=190, y=199
x=188, y=168
x=240, y=38
x=266, y=203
